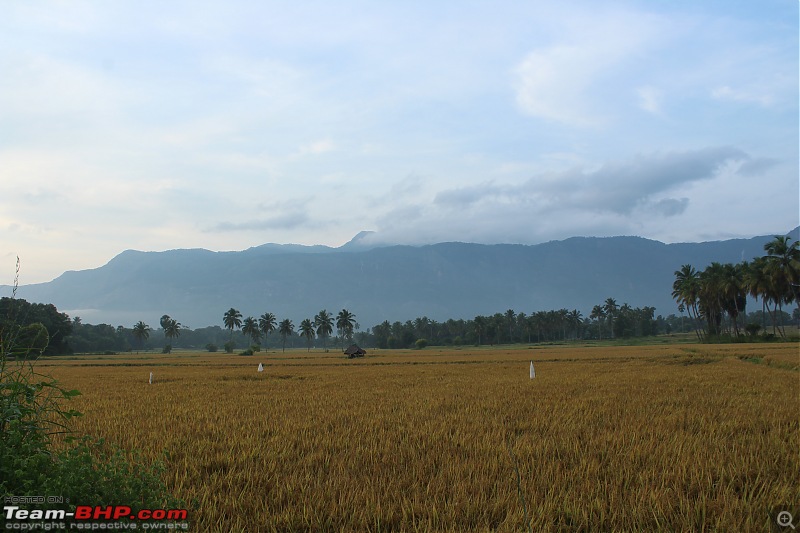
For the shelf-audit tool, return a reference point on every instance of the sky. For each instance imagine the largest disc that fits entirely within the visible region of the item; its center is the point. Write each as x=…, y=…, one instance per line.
x=225, y=125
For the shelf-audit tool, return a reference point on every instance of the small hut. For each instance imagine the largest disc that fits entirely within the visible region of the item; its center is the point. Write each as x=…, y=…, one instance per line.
x=354, y=351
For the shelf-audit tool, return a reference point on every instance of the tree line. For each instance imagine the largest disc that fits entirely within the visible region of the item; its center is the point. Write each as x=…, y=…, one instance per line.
x=716, y=298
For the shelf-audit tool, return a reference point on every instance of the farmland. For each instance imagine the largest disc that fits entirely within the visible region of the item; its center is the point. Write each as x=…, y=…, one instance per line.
x=671, y=437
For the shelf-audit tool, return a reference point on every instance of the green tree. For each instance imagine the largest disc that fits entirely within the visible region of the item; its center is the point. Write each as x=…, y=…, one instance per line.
x=479, y=326
x=510, y=318
x=173, y=330
x=345, y=321
x=598, y=314
x=307, y=331
x=267, y=323
x=250, y=327
x=686, y=291
x=285, y=328
x=783, y=271
x=232, y=320
x=610, y=308
x=323, y=321
x=141, y=332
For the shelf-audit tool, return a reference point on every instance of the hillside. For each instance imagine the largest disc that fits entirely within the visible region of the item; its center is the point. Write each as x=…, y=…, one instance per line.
x=447, y=280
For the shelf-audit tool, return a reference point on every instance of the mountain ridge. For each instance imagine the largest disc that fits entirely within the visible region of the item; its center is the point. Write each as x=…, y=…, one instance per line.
x=385, y=282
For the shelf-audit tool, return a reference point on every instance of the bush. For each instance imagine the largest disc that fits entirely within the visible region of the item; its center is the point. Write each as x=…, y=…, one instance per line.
x=211, y=347
x=229, y=346
x=248, y=351
x=85, y=471
x=167, y=349
x=421, y=343
x=255, y=348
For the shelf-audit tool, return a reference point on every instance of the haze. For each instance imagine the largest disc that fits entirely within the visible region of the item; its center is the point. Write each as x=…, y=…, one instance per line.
x=153, y=126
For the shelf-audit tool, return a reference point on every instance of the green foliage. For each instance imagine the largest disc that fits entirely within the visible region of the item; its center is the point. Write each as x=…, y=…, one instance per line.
x=229, y=346
x=211, y=347
x=421, y=343
x=32, y=414
x=248, y=351
x=167, y=349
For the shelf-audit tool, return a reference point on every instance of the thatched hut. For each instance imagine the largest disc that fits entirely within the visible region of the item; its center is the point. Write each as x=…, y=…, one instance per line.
x=354, y=351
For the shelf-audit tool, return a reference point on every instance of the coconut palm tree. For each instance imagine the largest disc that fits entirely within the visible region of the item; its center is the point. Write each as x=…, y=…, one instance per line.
x=345, y=322
x=141, y=332
x=172, y=329
x=685, y=290
x=307, y=331
x=323, y=321
x=783, y=270
x=598, y=313
x=610, y=308
x=479, y=325
x=232, y=320
x=267, y=323
x=285, y=328
x=250, y=327
x=511, y=319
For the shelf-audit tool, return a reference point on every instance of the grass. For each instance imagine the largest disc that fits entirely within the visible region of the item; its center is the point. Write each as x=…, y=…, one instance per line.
x=636, y=438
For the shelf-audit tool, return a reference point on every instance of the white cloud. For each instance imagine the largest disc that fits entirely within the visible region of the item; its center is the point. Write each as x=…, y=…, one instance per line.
x=566, y=81
x=649, y=99
x=737, y=95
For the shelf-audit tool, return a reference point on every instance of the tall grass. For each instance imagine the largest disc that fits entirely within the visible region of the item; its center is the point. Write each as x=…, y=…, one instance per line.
x=605, y=438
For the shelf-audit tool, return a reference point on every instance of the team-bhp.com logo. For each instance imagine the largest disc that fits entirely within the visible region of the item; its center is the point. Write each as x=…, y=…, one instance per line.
x=118, y=517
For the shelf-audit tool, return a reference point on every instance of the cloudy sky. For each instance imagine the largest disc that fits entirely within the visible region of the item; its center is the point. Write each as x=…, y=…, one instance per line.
x=224, y=125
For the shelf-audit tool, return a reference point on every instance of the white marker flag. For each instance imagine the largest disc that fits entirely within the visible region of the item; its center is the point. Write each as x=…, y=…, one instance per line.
x=533, y=372
x=260, y=367
x=151, y=378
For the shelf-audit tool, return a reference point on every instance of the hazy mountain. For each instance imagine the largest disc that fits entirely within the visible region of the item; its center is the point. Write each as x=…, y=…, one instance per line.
x=447, y=280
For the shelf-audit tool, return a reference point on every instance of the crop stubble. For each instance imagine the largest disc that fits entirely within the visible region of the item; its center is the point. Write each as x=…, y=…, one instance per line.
x=685, y=437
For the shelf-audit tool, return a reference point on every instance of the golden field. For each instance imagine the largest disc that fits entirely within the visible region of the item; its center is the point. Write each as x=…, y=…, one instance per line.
x=637, y=438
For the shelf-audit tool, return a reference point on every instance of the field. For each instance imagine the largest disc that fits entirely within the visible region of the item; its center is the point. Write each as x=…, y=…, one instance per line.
x=644, y=438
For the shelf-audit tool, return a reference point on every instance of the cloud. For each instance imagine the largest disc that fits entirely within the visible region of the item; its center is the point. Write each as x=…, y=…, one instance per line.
x=737, y=95
x=617, y=186
x=286, y=221
x=756, y=166
x=565, y=81
x=669, y=207
x=649, y=99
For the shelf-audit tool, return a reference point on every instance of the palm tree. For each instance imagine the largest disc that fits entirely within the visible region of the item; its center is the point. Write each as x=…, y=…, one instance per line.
x=307, y=331
x=141, y=332
x=685, y=290
x=250, y=327
x=286, y=328
x=172, y=329
x=479, y=325
x=345, y=321
x=323, y=321
x=266, y=323
x=598, y=313
x=232, y=320
x=783, y=269
x=575, y=319
x=510, y=317
x=757, y=283
x=610, y=308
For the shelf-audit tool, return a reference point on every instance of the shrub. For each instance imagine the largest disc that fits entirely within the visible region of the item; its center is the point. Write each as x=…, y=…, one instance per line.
x=248, y=351
x=211, y=347
x=167, y=349
x=421, y=343
x=85, y=472
x=229, y=346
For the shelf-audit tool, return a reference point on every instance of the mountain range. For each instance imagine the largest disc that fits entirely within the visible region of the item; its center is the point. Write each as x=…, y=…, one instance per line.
x=440, y=281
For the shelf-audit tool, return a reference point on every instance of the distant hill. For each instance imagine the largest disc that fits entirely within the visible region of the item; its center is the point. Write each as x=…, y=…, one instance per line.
x=440, y=281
